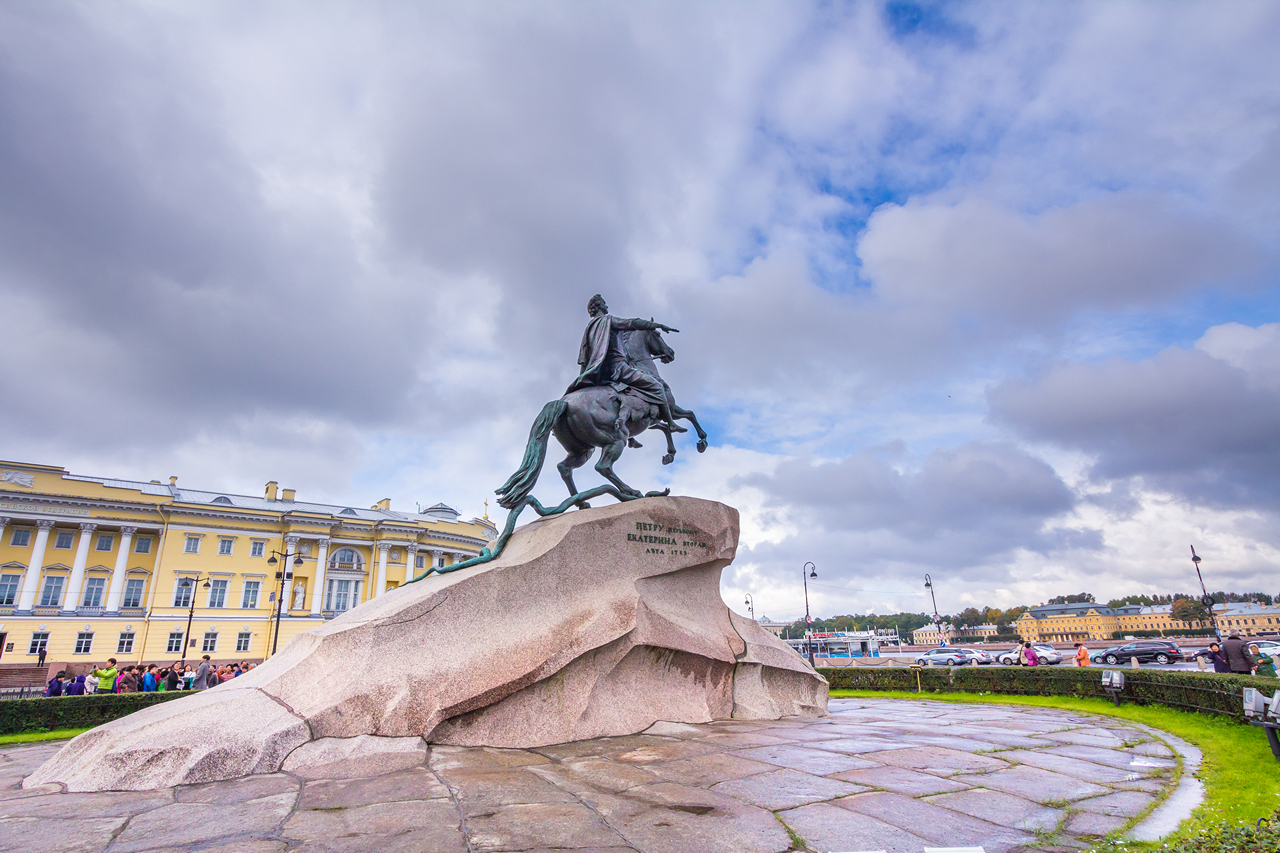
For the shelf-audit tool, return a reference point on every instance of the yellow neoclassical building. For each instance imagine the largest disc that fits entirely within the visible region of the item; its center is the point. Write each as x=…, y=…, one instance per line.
x=92, y=568
x=1078, y=622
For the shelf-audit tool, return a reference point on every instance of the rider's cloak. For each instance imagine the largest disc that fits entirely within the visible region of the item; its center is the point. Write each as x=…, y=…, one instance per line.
x=593, y=355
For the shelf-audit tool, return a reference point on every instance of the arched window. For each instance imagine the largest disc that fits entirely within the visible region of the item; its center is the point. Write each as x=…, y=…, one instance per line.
x=346, y=558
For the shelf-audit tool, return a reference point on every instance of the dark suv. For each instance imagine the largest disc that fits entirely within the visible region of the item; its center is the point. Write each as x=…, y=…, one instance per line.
x=1160, y=651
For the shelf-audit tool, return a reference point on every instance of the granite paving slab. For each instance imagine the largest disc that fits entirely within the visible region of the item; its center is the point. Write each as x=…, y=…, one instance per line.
x=936, y=759
x=709, y=769
x=806, y=758
x=1041, y=786
x=1000, y=808
x=902, y=781
x=828, y=827
x=785, y=789
x=879, y=774
x=1047, y=760
x=936, y=823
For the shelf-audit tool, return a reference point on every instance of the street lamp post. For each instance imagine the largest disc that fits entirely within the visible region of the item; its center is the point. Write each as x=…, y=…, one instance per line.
x=808, y=634
x=751, y=606
x=188, y=584
x=1205, y=598
x=283, y=575
x=937, y=620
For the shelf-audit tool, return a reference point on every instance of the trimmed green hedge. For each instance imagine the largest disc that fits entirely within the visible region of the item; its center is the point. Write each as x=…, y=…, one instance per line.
x=1212, y=693
x=75, y=712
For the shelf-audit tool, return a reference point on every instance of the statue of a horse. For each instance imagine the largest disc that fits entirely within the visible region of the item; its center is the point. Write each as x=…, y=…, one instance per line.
x=600, y=416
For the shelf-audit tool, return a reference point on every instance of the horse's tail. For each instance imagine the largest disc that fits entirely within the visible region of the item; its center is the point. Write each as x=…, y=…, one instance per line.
x=521, y=483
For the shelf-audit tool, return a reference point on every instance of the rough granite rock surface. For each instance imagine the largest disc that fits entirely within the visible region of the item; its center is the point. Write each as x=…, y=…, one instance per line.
x=595, y=623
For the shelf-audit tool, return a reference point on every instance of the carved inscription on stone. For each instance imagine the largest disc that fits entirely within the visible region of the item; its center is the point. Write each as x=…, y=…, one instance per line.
x=668, y=541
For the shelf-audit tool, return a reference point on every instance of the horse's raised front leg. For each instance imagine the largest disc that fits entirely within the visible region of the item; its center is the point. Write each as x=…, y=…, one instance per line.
x=610, y=454
x=671, y=448
x=566, y=468
x=688, y=415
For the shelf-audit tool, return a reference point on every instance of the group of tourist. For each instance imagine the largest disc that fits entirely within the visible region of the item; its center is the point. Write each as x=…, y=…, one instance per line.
x=1242, y=658
x=148, y=678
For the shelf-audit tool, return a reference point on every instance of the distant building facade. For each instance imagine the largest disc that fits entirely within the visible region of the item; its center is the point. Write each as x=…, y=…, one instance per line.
x=92, y=568
x=931, y=635
x=1079, y=622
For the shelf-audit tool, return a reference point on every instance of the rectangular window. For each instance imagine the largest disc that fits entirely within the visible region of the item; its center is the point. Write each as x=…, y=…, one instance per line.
x=39, y=640
x=20, y=538
x=182, y=594
x=339, y=596
x=84, y=643
x=143, y=545
x=210, y=642
x=125, y=646
x=52, y=594
x=175, y=642
x=192, y=546
x=224, y=547
x=8, y=589
x=243, y=639
x=133, y=592
x=218, y=594
x=257, y=549
x=94, y=588
x=250, y=598
x=420, y=561
x=63, y=539
x=104, y=541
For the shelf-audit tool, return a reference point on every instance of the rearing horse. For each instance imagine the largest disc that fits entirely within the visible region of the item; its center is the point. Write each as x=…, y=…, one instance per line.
x=599, y=416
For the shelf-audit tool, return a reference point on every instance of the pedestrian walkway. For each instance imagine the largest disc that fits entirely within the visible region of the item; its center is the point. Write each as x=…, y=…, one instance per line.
x=876, y=775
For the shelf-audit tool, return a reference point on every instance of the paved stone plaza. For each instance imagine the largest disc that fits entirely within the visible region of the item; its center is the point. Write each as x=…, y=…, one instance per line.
x=898, y=776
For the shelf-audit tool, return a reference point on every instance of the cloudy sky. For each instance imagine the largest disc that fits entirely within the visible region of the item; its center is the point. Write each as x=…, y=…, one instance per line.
x=988, y=291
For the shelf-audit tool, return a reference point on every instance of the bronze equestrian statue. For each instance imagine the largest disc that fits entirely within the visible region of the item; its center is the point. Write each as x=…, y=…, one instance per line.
x=618, y=395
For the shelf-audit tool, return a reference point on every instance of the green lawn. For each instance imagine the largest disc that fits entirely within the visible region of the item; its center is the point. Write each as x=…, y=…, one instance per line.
x=35, y=737
x=1240, y=776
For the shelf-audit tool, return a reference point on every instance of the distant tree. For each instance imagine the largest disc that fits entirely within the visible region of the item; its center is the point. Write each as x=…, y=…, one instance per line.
x=968, y=617
x=992, y=616
x=1189, y=610
x=1078, y=598
x=1144, y=600
x=1013, y=614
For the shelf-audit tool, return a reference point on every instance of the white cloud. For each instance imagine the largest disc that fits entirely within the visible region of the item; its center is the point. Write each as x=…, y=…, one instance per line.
x=349, y=247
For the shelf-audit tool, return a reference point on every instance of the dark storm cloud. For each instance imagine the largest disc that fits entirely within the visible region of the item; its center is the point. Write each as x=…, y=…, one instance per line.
x=965, y=506
x=355, y=242
x=1184, y=421
x=127, y=214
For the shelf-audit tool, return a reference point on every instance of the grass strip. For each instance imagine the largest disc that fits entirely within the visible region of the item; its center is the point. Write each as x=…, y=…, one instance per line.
x=1240, y=776
x=36, y=737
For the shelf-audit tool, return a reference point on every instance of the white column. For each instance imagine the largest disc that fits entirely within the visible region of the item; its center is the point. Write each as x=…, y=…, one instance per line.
x=435, y=556
x=381, y=586
x=284, y=588
x=317, y=592
x=72, y=601
x=117, y=574
x=410, y=557
x=30, y=580
x=4, y=522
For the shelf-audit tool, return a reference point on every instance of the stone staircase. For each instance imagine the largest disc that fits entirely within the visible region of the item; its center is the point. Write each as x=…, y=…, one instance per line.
x=22, y=675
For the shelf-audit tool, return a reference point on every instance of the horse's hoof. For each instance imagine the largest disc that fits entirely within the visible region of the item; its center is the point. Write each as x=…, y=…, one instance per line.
x=668, y=459
x=702, y=445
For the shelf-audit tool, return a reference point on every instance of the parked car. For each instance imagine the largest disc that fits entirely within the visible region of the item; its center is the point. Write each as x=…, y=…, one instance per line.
x=1267, y=647
x=977, y=654
x=1146, y=651
x=948, y=656
x=1047, y=654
